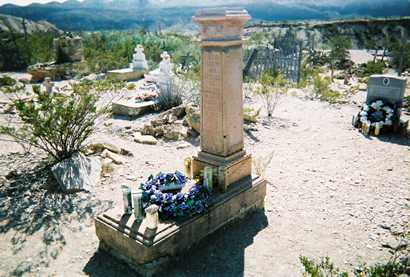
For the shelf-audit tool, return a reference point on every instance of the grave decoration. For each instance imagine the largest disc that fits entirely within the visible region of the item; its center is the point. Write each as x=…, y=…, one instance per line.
x=176, y=198
x=222, y=166
x=382, y=110
x=375, y=117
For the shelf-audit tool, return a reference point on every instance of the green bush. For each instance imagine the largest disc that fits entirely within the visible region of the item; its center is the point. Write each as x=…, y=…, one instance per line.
x=56, y=124
x=323, y=92
x=325, y=268
x=7, y=81
x=371, y=68
x=273, y=85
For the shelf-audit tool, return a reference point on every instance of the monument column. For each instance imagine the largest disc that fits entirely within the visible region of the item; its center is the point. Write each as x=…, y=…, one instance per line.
x=222, y=140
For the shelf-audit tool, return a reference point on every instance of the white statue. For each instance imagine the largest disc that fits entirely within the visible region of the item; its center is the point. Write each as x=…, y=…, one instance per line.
x=139, y=62
x=165, y=65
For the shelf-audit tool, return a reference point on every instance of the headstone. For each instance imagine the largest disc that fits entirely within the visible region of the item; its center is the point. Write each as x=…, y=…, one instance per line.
x=388, y=88
x=162, y=75
x=77, y=173
x=222, y=139
x=139, y=62
x=138, y=67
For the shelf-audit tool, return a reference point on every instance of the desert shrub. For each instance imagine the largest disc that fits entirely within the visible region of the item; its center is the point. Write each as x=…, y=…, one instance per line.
x=250, y=115
x=323, y=92
x=57, y=124
x=307, y=73
x=325, y=268
x=272, y=86
x=7, y=81
x=371, y=68
x=170, y=95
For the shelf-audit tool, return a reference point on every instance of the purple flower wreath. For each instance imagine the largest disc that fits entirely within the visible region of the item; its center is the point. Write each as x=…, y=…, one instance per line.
x=174, y=205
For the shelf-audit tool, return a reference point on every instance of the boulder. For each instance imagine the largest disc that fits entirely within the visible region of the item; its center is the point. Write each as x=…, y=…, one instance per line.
x=145, y=139
x=193, y=118
x=77, y=173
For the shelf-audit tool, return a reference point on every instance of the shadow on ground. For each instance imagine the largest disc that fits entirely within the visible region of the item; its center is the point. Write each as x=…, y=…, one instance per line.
x=221, y=253
x=30, y=205
x=391, y=138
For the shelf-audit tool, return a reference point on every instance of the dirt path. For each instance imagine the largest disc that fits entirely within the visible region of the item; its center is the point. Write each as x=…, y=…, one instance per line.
x=332, y=192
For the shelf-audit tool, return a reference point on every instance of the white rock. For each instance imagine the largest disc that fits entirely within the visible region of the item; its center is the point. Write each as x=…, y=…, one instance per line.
x=183, y=145
x=117, y=159
x=77, y=173
x=145, y=139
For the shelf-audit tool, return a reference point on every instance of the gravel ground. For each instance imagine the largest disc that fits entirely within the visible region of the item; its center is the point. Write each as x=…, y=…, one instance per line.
x=332, y=192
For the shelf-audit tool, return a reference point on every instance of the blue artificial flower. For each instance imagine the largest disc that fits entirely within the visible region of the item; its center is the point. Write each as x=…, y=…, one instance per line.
x=152, y=190
x=158, y=194
x=153, y=198
x=167, y=198
x=179, y=197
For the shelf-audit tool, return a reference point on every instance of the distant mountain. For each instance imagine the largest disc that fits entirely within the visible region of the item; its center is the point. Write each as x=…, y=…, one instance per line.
x=12, y=24
x=127, y=14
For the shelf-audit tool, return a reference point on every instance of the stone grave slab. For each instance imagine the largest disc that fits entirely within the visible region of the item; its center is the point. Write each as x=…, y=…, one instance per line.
x=148, y=251
x=132, y=108
x=125, y=74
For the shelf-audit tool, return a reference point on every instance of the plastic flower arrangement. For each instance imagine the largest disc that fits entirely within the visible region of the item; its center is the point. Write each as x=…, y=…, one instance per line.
x=377, y=113
x=174, y=204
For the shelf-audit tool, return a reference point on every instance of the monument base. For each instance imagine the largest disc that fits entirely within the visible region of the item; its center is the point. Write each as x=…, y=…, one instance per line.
x=126, y=74
x=227, y=169
x=149, y=251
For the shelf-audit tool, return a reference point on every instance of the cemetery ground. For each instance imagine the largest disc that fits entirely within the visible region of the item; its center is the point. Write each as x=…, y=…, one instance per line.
x=332, y=192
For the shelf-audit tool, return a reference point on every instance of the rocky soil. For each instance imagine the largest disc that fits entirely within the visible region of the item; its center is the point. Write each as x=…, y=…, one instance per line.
x=332, y=192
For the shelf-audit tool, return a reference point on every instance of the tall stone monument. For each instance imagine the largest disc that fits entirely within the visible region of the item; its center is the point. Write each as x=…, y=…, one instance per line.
x=148, y=249
x=222, y=146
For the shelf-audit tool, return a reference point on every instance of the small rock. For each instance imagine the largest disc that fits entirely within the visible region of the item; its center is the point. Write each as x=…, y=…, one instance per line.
x=114, y=157
x=100, y=147
x=145, y=139
x=183, y=145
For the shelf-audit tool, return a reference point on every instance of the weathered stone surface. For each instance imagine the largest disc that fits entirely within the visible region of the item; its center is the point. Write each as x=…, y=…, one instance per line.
x=193, y=118
x=132, y=108
x=126, y=74
x=117, y=159
x=77, y=173
x=221, y=81
x=183, y=145
x=101, y=146
x=388, y=88
x=175, y=132
x=144, y=139
x=40, y=71
x=140, y=247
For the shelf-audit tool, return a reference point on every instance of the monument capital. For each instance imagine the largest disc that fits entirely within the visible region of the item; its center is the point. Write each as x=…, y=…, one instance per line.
x=221, y=27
